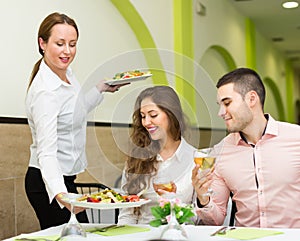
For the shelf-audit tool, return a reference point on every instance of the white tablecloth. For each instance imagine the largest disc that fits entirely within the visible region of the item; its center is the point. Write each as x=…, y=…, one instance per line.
x=195, y=233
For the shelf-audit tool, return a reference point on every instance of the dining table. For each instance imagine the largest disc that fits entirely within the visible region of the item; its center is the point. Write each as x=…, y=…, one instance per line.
x=146, y=233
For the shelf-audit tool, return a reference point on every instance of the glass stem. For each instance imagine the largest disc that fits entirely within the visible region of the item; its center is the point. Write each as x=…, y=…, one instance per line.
x=73, y=216
x=173, y=219
x=173, y=231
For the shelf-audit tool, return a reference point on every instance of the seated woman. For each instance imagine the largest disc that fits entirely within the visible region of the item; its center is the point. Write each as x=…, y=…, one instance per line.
x=158, y=150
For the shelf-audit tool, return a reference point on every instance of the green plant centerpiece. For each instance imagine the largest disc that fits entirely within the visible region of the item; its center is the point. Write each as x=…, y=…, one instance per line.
x=162, y=212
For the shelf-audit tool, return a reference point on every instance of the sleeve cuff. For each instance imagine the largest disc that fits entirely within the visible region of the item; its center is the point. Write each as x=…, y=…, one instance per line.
x=199, y=205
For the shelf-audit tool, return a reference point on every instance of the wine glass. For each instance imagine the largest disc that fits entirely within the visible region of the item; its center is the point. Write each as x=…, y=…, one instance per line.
x=163, y=185
x=173, y=230
x=73, y=227
x=206, y=160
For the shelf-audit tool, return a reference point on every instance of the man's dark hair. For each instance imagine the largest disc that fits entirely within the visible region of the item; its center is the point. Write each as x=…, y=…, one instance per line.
x=244, y=80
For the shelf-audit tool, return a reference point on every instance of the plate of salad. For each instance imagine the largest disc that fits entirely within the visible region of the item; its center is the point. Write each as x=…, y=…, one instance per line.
x=128, y=77
x=108, y=199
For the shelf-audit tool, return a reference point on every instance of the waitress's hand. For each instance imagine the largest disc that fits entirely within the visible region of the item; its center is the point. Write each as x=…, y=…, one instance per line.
x=102, y=87
x=59, y=198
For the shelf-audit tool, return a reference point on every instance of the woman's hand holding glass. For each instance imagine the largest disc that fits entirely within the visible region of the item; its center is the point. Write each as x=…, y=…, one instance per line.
x=164, y=186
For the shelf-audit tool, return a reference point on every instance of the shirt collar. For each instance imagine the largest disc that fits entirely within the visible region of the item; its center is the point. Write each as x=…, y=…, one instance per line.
x=270, y=129
x=272, y=126
x=179, y=153
x=52, y=80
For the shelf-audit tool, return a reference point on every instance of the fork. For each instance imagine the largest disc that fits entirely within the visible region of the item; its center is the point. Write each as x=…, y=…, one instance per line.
x=222, y=230
x=142, y=192
x=104, y=229
x=34, y=239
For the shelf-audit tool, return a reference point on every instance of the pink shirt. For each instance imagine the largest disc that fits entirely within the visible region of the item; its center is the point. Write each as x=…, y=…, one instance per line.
x=271, y=201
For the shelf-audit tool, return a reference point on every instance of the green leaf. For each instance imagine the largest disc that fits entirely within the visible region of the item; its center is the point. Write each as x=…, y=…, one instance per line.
x=157, y=212
x=187, y=214
x=156, y=223
x=160, y=214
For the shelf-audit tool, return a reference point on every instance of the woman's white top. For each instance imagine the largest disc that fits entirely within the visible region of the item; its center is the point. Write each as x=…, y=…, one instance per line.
x=179, y=169
x=57, y=113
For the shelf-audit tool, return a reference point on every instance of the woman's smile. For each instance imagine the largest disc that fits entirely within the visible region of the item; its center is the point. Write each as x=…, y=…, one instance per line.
x=152, y=130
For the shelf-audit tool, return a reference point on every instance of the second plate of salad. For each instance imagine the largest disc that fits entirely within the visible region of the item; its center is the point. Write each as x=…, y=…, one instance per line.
x=128, y=77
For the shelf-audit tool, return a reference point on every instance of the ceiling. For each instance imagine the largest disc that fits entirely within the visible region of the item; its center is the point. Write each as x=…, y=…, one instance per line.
x=279, y=25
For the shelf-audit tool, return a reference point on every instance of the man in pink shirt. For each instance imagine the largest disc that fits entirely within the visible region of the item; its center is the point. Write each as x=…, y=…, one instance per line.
x=258, y=161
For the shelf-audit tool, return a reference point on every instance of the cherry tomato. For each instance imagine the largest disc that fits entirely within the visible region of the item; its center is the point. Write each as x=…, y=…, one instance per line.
x=133, y=198
x=93, y=200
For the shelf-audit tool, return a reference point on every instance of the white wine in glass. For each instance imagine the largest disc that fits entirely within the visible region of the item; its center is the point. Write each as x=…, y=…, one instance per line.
x=163, y=183
x=206, y=161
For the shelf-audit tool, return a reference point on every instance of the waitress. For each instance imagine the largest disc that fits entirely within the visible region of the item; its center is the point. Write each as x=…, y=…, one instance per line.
x=57, y=109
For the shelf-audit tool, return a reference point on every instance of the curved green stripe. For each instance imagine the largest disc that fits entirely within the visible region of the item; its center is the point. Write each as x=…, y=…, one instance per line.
x=226, y=56
x=184, y=46
x=144, y=38
x=289, y=80
x=276, y=94
x=297, y=112
x=250, y=44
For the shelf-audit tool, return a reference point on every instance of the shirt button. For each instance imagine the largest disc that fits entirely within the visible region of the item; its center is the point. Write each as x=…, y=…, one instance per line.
x=260, y=192
x=262, y=213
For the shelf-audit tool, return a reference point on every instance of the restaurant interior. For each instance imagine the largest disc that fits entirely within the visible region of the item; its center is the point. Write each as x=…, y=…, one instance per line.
x=187, y=44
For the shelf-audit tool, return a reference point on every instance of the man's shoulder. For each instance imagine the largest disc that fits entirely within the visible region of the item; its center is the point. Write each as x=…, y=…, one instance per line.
x=231, y=139
x=289, y=130
x=288, y=125
x=284, y=124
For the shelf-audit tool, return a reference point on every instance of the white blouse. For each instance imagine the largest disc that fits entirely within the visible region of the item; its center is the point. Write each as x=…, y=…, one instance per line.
x=57, y=113
x=179, y=168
